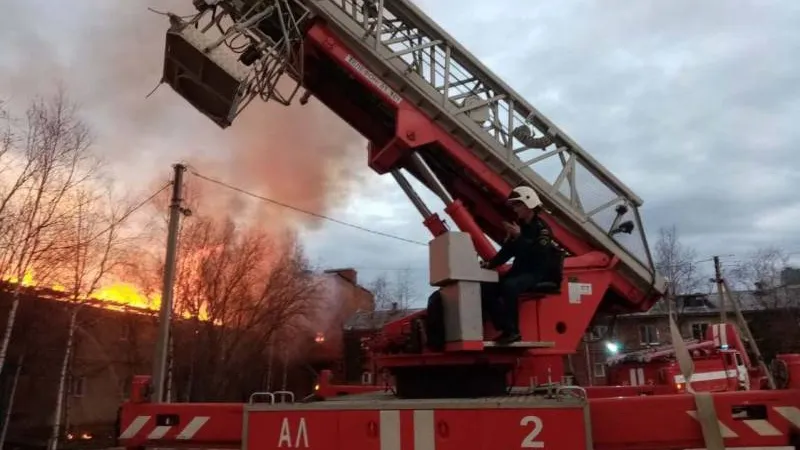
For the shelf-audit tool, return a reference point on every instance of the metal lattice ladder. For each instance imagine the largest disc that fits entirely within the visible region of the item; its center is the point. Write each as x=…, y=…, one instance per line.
x=416, y=57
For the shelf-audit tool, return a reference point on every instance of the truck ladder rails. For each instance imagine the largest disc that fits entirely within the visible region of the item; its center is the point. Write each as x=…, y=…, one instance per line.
x=406, y=57
x=431, y=69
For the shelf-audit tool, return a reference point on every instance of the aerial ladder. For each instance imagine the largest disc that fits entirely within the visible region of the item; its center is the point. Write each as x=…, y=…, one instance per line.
x=430, y=110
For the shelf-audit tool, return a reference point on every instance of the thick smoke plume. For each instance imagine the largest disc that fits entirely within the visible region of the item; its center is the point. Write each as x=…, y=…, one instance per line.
x=108, y=56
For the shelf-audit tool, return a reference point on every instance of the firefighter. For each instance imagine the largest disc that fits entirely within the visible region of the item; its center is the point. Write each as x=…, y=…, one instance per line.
x=538, y=263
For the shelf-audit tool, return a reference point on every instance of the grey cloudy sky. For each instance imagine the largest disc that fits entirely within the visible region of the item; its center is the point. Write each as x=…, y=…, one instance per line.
x=694, y=105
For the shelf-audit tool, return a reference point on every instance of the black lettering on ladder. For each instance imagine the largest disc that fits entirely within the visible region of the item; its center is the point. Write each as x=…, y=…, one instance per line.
x=285, y=438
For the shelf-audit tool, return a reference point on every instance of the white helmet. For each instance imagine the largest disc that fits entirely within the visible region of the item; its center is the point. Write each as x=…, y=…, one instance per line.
x=526, y=195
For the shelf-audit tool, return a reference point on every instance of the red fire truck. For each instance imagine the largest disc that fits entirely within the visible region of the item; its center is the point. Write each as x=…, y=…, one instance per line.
x=721, y=364
x=432, y=111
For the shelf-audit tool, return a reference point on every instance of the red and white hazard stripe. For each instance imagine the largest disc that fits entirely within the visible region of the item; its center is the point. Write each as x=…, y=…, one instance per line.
x=391, y=438
x=135, y=426
x=390, y=430
x=158, y=432
x=724, y=430
x=760, y=427
x=708, y=376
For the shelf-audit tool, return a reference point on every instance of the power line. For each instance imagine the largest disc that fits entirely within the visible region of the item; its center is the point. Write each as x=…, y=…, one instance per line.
x=122, y=218
x=295, y=208
x=139, y=206
x=142, y=203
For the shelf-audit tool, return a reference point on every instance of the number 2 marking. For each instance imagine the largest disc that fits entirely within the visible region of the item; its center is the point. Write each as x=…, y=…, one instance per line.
x=530, y=440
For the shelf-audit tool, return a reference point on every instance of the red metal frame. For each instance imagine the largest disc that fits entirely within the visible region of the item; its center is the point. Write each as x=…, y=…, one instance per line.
x=645, y=422
x=480, y=194
x=650, y=422
x=413, y=129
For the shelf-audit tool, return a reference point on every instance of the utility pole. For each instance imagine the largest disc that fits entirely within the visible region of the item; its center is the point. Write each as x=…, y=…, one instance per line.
x=170, y=369
x=720, y=290
x=165, y=314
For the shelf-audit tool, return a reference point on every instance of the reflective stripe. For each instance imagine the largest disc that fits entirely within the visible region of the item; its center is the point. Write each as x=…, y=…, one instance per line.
x=424, y=438
x=708, y=376
x=158, y=432
x=134, y=427
x=724, y=430
x=762, y=427
x=192, y=428
x=390, y=430
x=790, y=413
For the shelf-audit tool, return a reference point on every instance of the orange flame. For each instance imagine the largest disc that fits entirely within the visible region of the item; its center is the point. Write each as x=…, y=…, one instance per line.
x=119, y=296
x=127, y=294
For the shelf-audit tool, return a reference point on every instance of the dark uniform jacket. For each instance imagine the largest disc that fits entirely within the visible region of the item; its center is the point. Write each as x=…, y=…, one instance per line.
x=534, y=252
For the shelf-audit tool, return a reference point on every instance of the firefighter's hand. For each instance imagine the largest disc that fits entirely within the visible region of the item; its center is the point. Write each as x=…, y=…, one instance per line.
x=512, y=229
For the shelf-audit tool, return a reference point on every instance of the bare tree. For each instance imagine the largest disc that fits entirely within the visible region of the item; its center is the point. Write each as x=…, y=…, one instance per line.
x=404, y=291
x=773, y=301
x=237, y=289
x=9, y=407
x=675, y=261
x=762, y=271
x=381, y=289
x=45, y=157
x=90, y=248
x=395, y=294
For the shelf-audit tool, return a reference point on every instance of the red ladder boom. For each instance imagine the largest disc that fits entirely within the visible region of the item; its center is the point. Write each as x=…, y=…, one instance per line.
x=430, y=108
x=411, y=89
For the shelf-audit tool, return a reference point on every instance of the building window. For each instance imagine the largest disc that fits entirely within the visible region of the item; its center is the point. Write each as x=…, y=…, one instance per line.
x=77, y=386
x=694, y=301
x=597, y=332
x=599, y=370
x=699, y=331
x=648, y=335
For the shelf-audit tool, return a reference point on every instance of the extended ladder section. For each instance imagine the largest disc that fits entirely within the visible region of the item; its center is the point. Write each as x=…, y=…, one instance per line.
x=503, y=129
x=409, y=57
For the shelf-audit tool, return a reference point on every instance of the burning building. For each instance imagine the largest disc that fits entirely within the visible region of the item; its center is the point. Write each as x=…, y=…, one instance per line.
x=115, y=341
x=347, y=299
x=110, y=346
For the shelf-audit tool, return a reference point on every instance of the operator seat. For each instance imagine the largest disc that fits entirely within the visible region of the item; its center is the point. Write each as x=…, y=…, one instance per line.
x=455, y=311
x=552, y=286
x=545, y=288
x=434, y=322
x=434, y=317
x=541, y=290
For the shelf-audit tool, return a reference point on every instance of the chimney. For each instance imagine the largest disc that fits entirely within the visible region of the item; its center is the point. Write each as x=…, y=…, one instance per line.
x=348, y=274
